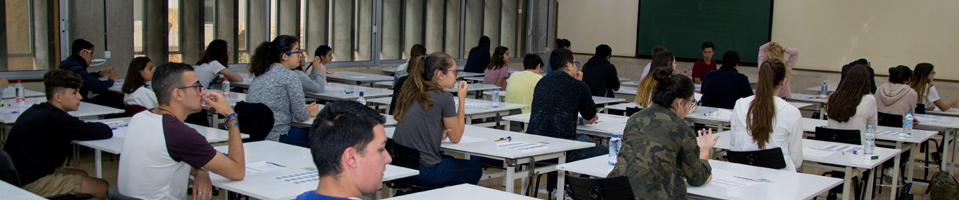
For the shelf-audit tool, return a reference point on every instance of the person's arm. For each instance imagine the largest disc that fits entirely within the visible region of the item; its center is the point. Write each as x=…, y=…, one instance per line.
x=230, y=75
x=698, y=72
x=762, y=53
x=308, y=84
x=793, y=56
x=587, y=108
x=294, y=90
x=613, y=79
x=202, y=185
x=694, y=154
x=872, y=110
x=4, y=82
x=746, y=90
x=232, y=165
x=455, y=125
x=80, y=130
x=92, y=83
x=944, y=106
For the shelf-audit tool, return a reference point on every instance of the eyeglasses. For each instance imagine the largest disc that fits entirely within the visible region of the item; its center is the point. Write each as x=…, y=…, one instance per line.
x=88, y=51
x=577, y=63
x=199, y=88
x=455, y=72
x=933, y=72
x=695, y=105
x=294, y=52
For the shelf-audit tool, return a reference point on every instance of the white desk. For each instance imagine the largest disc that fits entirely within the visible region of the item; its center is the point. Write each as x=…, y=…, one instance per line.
x=816, y=89
x=339, y=91
x=356, y=77
x=476, y=87
x=473, y=79
x=470, y=74
x=13, y=192
x=10, y=93
x=604, y=127
x=86, y=110
x=391, y=70
x=626, y=90
x=487, y=148
x=947, y=124
x=390, y=122
x=463, y=192
x=383, y=84
x=605, y=101
x=474, y=108
x=263, y=185
x=784, y=185
x=115, y=144
x=630, y=83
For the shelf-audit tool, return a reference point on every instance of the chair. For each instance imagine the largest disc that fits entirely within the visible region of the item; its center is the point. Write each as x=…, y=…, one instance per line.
x=631, y=110
x=611, y=188
x=410, y=158
x=890, y=120
x=920, y=109
x=8, y=173
x=134, y=109
x=838, y=135
x=256, y=120
x=768, y=158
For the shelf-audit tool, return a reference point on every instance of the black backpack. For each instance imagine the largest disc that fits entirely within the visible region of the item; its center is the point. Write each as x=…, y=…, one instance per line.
x=943, y=186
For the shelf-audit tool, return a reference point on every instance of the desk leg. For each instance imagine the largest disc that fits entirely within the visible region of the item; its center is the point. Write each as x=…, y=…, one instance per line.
x=870, y=182
x=561, y=179
x=214, y=116
x=953, y=158
x=98, y=164
x=945, y=146
x=895, y=174
x=910, y=168
x=847, y=184
x=510, y=173
x=720, y=127
x=469, y=120
x=819, y=109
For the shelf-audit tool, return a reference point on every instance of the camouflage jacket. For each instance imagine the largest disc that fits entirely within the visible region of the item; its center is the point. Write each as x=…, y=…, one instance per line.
x=659, y=150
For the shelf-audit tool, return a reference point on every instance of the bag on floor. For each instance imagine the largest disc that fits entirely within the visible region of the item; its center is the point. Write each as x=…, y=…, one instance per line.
x=943, y=187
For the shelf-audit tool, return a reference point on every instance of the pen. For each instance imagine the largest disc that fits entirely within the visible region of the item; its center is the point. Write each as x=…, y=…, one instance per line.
x=507, y=138
x=747, y=178
x=275, y=164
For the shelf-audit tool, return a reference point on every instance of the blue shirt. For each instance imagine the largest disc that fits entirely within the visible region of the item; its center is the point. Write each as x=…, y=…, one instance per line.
x=312, y=195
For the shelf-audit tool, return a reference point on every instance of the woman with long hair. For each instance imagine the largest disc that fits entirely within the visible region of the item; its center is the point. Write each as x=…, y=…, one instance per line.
x=644, y=92
x=896, y=97
x=278, y=87
x=418, y=51
x=478, y=56
x=136, y=86
x=773, y=50
x=852, y=106
x=427, y=115
x=922, y=78
x=764, y=121
x=317, y=69
x=401, y=70
x=213, y=62
x=497, y=70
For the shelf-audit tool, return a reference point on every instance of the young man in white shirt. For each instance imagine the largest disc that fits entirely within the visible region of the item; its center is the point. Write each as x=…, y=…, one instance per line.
x=160, y=151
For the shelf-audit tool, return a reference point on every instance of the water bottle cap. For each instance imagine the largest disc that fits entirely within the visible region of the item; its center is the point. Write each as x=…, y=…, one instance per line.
x=907, y=112
x=361, y=93
x=226, y=79
x=869, y=126
x=18, y=81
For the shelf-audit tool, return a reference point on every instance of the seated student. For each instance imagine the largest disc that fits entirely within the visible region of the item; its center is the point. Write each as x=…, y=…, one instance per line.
x=524, y=82
x=81, y=54
x=921, y=82
x=427, y=115
x=896, y=97
x=317, y=69
x=764, y=121
x=557, y=99
x=560, y=44
x=644, y=91
x=398, y=87
x=136, y=87
x=213, y=63
x=158, y=156
x=656, y=51
x=349, y=150
x=416, y=51
x=279, y=89
x=40, y=141
x=599, y=74
x=721, y=88
x=705, y=65
x=308, y=84
x=865, y=63
x=497, y=71
x=852, y=106
x=478, y=57
x=774, y=50
x=660, y=149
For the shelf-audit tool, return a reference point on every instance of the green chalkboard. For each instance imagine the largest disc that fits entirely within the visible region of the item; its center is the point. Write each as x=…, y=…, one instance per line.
x=683, y=25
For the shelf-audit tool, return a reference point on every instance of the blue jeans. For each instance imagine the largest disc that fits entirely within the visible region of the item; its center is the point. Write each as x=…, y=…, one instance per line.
x=296, y=136
x=450, y=171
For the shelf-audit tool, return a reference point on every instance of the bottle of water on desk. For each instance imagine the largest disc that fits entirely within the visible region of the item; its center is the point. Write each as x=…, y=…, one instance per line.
x=20, y=97
x=361, y=99
x=823, y=90
x=614, y=144
x=907, y=125
x=226, y=87
x=495, y=97
x=869, y=146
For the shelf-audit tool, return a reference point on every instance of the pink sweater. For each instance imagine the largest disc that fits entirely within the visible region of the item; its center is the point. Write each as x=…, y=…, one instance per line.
x=793, y=55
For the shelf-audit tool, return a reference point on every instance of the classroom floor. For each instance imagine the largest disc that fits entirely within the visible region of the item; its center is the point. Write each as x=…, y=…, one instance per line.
x=110, y=174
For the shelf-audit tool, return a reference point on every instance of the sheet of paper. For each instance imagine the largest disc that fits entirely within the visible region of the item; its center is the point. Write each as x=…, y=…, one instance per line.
x=10, y=109
x=733, y=182
x=816, y=152
x=841, y=147
x=308, y=175
x=119, y=132
x=262, y=166
x=887, y=132
x=719, y=173
x=114, y=123
x=465, y=140
x=522, y=146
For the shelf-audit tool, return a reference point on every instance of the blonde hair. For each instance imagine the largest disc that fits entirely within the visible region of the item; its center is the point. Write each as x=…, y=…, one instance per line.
x=775, y=51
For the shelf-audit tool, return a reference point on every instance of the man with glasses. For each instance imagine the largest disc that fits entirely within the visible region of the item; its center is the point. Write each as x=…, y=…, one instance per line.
x=78, y=62
x=160, y=151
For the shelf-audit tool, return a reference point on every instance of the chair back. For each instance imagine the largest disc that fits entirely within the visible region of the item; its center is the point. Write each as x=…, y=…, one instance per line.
x=890, y=120
x=403, y=156
x=8, y=172
x=838, y=135
x=612, y=188
x=134, y=109
x=768, y=158
x=256, y=119
x=631, y=110
x=920, y=109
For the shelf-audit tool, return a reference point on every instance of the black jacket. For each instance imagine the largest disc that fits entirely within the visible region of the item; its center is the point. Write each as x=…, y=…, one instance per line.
x=722, y=87
x=600, y=76
x=91, y=82
x=477, y=61
x=396, y=93
x=557, y=99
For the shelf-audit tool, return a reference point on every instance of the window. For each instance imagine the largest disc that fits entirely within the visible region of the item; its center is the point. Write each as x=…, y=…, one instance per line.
x=173, y=12
x=20, y=49
x=209, y=19
x=242, y=38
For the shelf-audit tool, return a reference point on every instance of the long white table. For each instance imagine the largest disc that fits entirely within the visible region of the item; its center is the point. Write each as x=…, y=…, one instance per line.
x=86, y=110
x=390, y=122
x=626, y=90
x=784, y=185
x=487, y=147
x=10, y=93
x=604, y=127
x=294, y=159
x=115, y=144
x=949, y=125
x=356, y=77
x=830, y=89
x=339, y=91
x=463, y=192
x=9, y=191
x=474, y=109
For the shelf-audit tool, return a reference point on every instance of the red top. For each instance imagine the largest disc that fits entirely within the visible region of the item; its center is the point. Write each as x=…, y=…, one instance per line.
x=700, y=69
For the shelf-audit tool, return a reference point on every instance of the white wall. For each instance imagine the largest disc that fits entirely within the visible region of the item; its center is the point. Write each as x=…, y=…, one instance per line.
x=588, y=24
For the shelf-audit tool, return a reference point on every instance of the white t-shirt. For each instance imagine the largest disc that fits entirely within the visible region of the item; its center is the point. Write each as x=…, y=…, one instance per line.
x=931, y=96
x=207, y=72
x=143, y=96
x=645, y=72
x=158, y=153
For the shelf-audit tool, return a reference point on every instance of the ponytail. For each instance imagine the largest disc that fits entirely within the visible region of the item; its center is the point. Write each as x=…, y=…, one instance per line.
x=420, y=82
x=762, y=110
x=270, y=52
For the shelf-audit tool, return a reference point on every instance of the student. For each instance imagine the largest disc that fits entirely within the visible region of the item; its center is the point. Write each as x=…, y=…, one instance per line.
x=213, y=63
x=852, y=106
x=863, y=62
x=721, y=88
x=427, y=115
x=524, y=82
x=896, y=97
x=41, y=138
x=644, y=92
x=557, y=98
x=349, y=150
x=599, y=74
x=279, y=88
x=317, y=70
x=763, y=121
x=660, y=149
x=158, y=156
x=478, y=57
x=774, y=50
x=497, y=71
x=656, y=51
x=308, y=84
x=560, y=43
x=416, y=51
x=136, y=87
x=705, y=65
x=921, y=82
x=81, y=54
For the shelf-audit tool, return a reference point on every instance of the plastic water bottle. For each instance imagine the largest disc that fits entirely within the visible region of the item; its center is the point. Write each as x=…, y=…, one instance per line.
x=907, y=125
x=20, y=97
x=495, y=97
x=226, y=87
x=823, y=91
x=361, y=99
x=869, y=146
x=614, y=144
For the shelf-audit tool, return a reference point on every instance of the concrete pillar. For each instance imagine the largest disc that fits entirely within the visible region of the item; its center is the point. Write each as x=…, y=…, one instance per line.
x=317, y=14
x=257, y=29
x=364, y=31
x=541, y=21
x=434, y=25
x=342, y=31
x=413, y=32
x=392, y=31
x=508, y=28
x=156, y=31
x=41, y=45
x=288, y=14
x=474, y=24
x=191, y=44
x=452, y=35
x=3, y=36
x=86, y=21
x=225, y=25
x=491, y=23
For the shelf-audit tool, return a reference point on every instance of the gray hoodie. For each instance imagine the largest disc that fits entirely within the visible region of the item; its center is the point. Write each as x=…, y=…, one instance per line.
x=893, y=98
